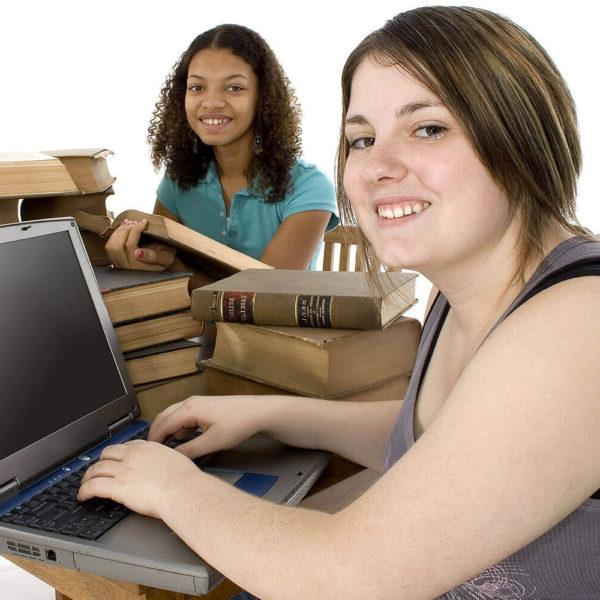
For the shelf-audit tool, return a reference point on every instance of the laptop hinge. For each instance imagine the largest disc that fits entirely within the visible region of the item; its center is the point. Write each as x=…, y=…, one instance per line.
x=120, y=424
x=9, y=489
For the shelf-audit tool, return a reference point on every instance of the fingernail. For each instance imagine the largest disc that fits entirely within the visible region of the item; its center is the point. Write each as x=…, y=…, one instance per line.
x=139, y=254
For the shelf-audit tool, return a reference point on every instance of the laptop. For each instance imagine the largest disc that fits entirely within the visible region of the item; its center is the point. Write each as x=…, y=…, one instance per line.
x=65, y=395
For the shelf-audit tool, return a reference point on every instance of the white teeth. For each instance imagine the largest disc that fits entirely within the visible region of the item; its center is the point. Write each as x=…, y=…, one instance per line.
x=397, y=212
x=215, y=121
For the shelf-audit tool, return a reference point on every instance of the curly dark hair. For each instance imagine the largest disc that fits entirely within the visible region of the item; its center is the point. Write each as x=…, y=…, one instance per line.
x=277, y=119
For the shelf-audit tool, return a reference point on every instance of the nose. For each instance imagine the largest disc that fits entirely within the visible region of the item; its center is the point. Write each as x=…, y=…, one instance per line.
x=213, y=100
x=383, y=163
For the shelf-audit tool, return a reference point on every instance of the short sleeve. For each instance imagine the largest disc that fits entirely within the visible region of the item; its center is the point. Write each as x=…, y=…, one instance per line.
x=167, y=193
x=311, y=190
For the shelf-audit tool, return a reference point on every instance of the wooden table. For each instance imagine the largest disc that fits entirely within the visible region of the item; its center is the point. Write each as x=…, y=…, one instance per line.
x=340, y=483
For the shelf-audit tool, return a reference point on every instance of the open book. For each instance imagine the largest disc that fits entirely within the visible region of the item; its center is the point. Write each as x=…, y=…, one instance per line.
x=207, y=255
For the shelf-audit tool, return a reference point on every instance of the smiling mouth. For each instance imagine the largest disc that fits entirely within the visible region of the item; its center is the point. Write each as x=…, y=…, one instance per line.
x=398, y=211
x=215, y=123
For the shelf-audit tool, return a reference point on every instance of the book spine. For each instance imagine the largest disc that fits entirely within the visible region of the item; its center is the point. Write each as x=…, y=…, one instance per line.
x=291, y=310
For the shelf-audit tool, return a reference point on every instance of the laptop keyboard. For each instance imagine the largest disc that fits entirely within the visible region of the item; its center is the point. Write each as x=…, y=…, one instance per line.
x=56, y=509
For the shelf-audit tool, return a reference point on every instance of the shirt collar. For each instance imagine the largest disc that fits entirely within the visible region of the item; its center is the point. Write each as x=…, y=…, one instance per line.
x=212, y=178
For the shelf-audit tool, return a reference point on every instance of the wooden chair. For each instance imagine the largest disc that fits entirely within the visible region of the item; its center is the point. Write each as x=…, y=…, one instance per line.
x=346, y=236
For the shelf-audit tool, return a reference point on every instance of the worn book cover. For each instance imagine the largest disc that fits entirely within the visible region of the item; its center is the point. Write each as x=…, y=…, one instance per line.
x=341, y=300
x=33, y=174
x=87, y=167
x=162, y=361
x=150, y=331
x=210, y=257
x=223, y=381
x=50, y=207
x=130, y=294
x=318, y=362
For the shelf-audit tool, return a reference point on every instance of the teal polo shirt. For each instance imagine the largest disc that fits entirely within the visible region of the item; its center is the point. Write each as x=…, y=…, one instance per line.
x=252, y=222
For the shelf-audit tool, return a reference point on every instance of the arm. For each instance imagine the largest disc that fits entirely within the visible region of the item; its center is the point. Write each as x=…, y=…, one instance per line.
x=302, y=422
x=486, y=478
x=296, y=240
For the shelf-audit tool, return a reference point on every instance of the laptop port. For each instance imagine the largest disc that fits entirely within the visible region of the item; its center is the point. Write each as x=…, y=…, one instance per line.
x=51, y=555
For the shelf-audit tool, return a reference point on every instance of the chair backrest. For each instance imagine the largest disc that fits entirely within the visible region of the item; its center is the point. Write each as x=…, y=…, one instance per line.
x=346, y=237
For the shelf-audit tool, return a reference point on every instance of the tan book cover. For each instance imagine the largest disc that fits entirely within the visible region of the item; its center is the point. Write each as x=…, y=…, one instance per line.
x=163, y=361
x=50, y=207
x=158, y=330
x=339, y=300
x=210, y=257
x=9, y=210
x=222, y=381
x=153, y=398
x=87, y=167
x=130, y=294
x=318, y=362
x=33, y=174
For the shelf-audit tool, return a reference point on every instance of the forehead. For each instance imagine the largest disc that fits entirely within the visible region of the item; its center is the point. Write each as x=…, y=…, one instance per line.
x=376, y=86
x=218, y=63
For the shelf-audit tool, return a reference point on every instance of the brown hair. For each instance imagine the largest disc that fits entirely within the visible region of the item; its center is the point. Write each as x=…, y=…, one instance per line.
x=276, y=124
x=508, y=97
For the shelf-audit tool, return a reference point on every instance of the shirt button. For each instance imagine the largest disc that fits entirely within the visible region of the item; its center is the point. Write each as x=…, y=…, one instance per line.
x=223, y=233
x=222, y=214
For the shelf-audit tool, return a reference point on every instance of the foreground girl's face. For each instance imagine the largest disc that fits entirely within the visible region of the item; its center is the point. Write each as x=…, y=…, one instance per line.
x=418, y=190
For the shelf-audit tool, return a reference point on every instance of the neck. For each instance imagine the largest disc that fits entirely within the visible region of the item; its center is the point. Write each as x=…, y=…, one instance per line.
x=481, y=286
x=233, y=159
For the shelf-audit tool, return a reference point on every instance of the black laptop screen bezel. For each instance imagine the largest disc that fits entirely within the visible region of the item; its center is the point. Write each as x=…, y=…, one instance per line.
x=31, y=462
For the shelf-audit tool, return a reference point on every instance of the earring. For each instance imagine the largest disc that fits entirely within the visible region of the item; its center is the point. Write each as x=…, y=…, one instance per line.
x=257, y=144
x=195, y=145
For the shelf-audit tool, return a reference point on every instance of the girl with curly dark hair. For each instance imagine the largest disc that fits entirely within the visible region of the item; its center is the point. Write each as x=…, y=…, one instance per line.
x=227, y=130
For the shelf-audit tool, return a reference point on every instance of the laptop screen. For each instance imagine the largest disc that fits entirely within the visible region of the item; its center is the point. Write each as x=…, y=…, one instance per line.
x=57, y=365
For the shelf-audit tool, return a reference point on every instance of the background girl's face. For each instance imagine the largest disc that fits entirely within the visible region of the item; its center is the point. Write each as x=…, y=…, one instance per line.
x=417, y=188
x=221, y=97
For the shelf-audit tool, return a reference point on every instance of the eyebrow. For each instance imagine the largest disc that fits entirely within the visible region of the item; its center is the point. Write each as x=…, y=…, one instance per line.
x=224, y=79
x=407, y=109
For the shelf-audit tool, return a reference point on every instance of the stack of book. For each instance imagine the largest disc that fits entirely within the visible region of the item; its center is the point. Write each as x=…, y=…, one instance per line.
x=150, y=312
x=56, y=183
x=318, y=334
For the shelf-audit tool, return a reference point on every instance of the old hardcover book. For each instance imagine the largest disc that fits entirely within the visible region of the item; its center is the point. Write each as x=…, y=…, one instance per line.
x=157, y=330
x=340, y=300
x=33, y=174
x=9, y=210
x=87, y=167
x=318, y=362
x=49, y=207
x=163, y=361
x=130, y=294
x=222, y=381
x=155, y=397
x=210, y=257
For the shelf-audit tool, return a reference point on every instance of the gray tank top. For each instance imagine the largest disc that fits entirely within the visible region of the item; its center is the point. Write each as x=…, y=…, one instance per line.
x=564, y=563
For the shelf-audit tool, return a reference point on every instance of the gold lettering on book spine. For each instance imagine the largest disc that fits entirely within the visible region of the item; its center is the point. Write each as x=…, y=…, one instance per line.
x=314, y=311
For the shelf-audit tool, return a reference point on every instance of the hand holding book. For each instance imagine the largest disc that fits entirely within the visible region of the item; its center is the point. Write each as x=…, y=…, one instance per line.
x=124, y=251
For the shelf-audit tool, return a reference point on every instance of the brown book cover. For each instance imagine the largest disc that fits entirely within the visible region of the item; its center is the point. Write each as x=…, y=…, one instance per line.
x=339, y=300
x=87, y=167
x=163, y=361
x=318, y=362
x=130, y=294
x=154, y=397
x=9, y=210
x=157, y=330
x=33, y=174
x=212, y=258
x=50, y=207
x=223, y=381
